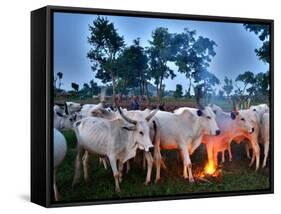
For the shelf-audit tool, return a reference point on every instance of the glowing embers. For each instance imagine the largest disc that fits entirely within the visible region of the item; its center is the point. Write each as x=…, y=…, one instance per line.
x=210, y=168
x=210, y=173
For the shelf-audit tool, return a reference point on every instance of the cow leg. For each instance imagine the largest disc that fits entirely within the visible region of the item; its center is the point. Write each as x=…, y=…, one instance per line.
x=256, y=153
x=195, y=144
x=247, y=148
x=56, y=192
x=149, y=160
x=187, y=163
x=120, y=169
x=229, y=152
x=158, y=159
x=103, y=162
x=143, y=161
x=266, y=149
x=222, y=156
x=128, y=166
x=85, y=160
x=113, y=165
x=77, y=167
x=216, y=153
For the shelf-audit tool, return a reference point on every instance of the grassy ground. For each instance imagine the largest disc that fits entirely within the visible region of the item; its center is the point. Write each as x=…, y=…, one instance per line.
x=236, y=176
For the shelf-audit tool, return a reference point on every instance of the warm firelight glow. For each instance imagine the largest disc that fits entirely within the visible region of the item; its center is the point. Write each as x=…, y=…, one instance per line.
x=210, y=168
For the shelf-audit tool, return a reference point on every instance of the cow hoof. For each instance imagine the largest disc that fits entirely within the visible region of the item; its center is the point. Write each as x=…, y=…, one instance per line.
x=117, y=190
x=87, y=180
x=191, y=180
x=146, y=183
x=157, y=180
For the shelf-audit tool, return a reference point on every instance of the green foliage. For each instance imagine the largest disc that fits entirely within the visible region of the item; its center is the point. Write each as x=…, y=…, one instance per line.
x=228, y=86
x=178, y=92
x=106, y=47
x=220, y=93
x=263, y=33
x=246, y=78
x=132, y=67
x=75, y=86
x=193, y=57
x=160, y=52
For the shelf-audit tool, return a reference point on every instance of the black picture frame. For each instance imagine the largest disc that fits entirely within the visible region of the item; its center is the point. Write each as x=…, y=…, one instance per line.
x=41, y=102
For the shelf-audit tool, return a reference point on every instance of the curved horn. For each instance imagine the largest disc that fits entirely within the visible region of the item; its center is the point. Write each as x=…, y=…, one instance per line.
x=66, y=108
x=125, y=117
x=151, y=114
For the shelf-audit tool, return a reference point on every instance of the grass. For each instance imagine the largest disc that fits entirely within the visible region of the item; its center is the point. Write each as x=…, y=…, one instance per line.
x=236, y=176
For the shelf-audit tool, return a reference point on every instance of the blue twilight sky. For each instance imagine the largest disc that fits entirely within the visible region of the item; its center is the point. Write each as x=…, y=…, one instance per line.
x=234, y=53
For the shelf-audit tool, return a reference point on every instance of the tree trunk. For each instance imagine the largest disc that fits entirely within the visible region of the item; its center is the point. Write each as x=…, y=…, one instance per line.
x=113, y=89
x=123, y=89
x=147, y=94
x=160, y=91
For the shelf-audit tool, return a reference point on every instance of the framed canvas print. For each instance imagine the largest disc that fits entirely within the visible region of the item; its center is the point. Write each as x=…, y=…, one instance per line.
x=141, y=106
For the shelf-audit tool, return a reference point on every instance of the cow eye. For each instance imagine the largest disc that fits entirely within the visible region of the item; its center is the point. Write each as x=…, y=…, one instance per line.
x=141, y=133
x=243, y=119
x=208, y=117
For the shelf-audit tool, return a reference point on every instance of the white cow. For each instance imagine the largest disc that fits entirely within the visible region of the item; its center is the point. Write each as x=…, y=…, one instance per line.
x=137, y=115
x=63, y=121
x=116, y=139
x=183, y=130
x=232, y=125
x=265, y=133
x=59, y=109
x=72, y=107
x=260, y=110
x=59, y=151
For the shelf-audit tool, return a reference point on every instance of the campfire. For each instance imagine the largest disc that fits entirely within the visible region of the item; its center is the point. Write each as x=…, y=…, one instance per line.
x=210, y=168
x=210, y=173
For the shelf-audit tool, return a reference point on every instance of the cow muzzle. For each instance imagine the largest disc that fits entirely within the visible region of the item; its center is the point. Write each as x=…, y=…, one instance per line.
x=252, y=130
x=149, y=148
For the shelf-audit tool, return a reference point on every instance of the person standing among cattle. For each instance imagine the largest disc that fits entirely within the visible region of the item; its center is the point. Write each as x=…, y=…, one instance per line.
x=134, y=103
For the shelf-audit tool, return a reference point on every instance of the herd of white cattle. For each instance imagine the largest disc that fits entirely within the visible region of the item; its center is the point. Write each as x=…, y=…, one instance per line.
x=116, y=135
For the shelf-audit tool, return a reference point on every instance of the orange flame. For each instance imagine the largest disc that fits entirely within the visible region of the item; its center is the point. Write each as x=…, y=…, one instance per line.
x=210, y=168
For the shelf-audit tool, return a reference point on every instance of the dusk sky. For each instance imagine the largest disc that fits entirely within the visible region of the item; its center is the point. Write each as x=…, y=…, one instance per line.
x=234, y=53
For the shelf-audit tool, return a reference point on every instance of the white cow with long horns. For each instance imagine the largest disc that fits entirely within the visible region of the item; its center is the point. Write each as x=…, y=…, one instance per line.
x=118, y=139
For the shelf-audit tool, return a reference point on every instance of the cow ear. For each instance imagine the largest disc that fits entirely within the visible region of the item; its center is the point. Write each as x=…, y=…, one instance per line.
x=233, y=115
x=129, y=128
x=59, y=114
x=199, y=112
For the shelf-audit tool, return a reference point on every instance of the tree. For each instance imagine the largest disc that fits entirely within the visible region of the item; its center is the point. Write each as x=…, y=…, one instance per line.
x=94, y=88
x=75, y=86
x=263, y=33
x=85, y=91
x=246, y=78
x=59, y=76
x=178, y=92
x=107, y=45
x=220, y=93
x=160, y=53
x=193, y=57
x=260, y=86
x=228, y=86
x=132, y=65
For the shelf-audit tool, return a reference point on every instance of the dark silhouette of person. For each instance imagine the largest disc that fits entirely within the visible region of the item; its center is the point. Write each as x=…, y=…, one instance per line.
x=134, y=103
